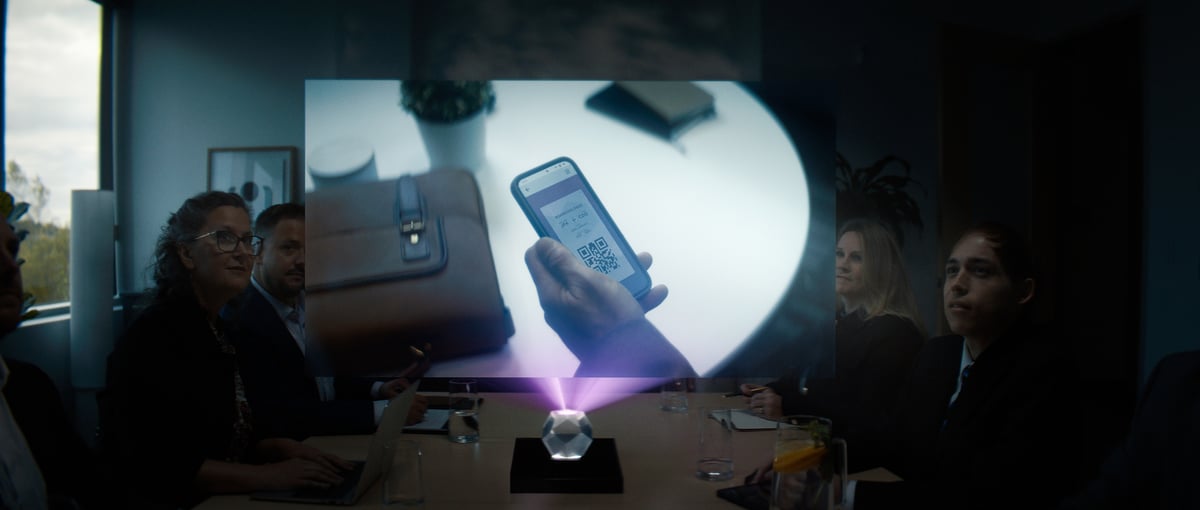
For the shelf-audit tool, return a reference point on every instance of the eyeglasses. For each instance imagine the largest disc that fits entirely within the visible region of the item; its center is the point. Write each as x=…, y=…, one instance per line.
x=228, y=242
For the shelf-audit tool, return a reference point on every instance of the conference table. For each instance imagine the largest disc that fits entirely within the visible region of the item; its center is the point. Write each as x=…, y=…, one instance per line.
x=724, y=209
x=656, y=449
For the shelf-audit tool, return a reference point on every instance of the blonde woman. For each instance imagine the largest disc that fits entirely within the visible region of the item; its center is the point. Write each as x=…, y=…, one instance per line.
x=878, y=334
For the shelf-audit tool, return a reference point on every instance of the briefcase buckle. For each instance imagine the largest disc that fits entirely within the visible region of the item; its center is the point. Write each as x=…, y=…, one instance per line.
x=413, y=229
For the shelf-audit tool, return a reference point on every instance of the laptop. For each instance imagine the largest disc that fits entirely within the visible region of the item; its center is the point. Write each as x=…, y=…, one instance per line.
x=356, y=482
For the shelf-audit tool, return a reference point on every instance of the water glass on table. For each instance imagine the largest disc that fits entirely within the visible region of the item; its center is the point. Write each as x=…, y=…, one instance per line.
x=715, y=458
x=809, y=465
x=402, y=474
x=672, y=396
x=464, y=411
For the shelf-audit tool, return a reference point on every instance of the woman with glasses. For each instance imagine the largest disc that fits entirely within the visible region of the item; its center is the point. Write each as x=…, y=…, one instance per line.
x=174, y=417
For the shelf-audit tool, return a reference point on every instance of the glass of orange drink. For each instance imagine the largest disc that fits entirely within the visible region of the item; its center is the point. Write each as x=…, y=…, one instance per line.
x=807, y=464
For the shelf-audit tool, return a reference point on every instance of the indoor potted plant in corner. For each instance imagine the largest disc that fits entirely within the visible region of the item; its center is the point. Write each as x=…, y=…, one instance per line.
x=450, y=117
x=871, y=193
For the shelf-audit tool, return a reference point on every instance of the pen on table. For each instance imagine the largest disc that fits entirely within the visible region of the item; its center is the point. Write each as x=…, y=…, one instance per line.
x=752, y=391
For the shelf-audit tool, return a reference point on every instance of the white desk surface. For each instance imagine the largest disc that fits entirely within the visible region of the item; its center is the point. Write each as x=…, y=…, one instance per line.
x=725, y=218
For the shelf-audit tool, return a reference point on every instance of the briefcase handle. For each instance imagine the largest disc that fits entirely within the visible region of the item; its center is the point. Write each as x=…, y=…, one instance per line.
x=411, y=216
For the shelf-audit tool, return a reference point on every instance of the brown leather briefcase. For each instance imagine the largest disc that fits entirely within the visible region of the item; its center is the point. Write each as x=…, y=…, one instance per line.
x=399, y=263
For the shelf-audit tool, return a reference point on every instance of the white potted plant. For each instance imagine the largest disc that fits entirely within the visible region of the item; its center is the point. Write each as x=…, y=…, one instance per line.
x=450, y=116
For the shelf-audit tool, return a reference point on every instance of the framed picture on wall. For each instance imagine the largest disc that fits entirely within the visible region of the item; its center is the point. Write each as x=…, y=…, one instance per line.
x=263, y=176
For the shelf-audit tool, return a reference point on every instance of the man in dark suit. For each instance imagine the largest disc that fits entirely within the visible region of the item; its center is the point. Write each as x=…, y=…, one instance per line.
x=279, y=366
x=986, y=419
x=1155, y=466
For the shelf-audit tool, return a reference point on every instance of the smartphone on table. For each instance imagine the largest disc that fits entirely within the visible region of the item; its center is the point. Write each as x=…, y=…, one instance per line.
x=561, y=204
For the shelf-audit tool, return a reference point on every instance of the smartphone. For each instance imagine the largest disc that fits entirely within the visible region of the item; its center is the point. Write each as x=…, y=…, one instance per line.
x=750, y=497
x=561, y=204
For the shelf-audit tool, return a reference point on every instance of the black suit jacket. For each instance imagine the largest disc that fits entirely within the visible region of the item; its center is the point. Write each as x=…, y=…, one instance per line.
x=280, y=384
x=1010, y=440
x=71, y=471
x=1156, y=465
x=872, y=361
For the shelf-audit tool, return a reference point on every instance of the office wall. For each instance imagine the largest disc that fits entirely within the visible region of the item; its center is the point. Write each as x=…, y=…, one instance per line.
x=882, y=58
x=220, y=75
x=1172, y=187
x=197, y=75
x=888, y=105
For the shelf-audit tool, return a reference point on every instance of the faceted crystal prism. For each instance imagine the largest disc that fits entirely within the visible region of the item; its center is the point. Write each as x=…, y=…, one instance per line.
x=567, y=434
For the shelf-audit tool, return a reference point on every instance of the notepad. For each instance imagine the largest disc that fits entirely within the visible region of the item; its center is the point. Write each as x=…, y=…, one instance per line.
x=744, y=420
x=434, y=423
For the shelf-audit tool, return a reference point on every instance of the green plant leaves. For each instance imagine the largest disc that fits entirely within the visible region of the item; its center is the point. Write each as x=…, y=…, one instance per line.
x=13, y=211
x=874, y=193
x=445, y=101
x=17, y=212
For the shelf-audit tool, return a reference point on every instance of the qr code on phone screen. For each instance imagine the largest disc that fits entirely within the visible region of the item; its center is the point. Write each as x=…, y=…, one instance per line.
x=597, y=255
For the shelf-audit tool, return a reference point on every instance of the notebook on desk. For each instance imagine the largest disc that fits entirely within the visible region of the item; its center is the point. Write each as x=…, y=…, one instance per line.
x=744, y=420
x=664, y=108
x=355, y=482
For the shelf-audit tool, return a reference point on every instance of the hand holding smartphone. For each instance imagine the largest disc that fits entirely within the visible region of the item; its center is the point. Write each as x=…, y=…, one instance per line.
x=561, y=204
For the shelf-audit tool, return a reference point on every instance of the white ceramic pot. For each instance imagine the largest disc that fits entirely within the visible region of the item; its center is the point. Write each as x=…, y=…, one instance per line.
x=342, y=161
x=458, y=144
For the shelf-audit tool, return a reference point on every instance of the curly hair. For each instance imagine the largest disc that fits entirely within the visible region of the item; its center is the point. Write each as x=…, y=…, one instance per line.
x=171, y=278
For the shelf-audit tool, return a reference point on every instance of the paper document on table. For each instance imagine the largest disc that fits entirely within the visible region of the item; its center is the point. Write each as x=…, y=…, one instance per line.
x=744, y=420
x=435, y=421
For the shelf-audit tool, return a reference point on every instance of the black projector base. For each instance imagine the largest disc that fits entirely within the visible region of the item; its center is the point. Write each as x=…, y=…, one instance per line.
x=533, y=470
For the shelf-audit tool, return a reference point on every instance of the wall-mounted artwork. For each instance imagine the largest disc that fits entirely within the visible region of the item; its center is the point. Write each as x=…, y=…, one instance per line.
x=263, y=176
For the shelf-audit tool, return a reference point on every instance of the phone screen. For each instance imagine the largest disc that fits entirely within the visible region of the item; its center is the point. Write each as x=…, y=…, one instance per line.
x=562, y=205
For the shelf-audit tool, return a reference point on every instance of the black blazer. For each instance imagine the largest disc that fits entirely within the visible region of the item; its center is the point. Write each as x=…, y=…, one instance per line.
x=872, y=361
x=71, y=471
x=1010, y=440
x=169, y=403
x=1155, y=466
x=280, y=385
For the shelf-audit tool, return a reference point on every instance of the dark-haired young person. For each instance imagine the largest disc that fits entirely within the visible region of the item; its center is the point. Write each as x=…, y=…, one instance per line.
x=988, y=417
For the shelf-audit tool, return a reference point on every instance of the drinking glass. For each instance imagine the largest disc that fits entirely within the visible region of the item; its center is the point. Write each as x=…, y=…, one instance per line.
x=715, y=458
x=402, y=474
x=464, y=411
x=672, y=396
x=809, y=465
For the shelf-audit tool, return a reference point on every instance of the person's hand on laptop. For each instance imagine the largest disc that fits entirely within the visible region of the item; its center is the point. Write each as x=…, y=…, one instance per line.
x=296, y=474
x=280, y=449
